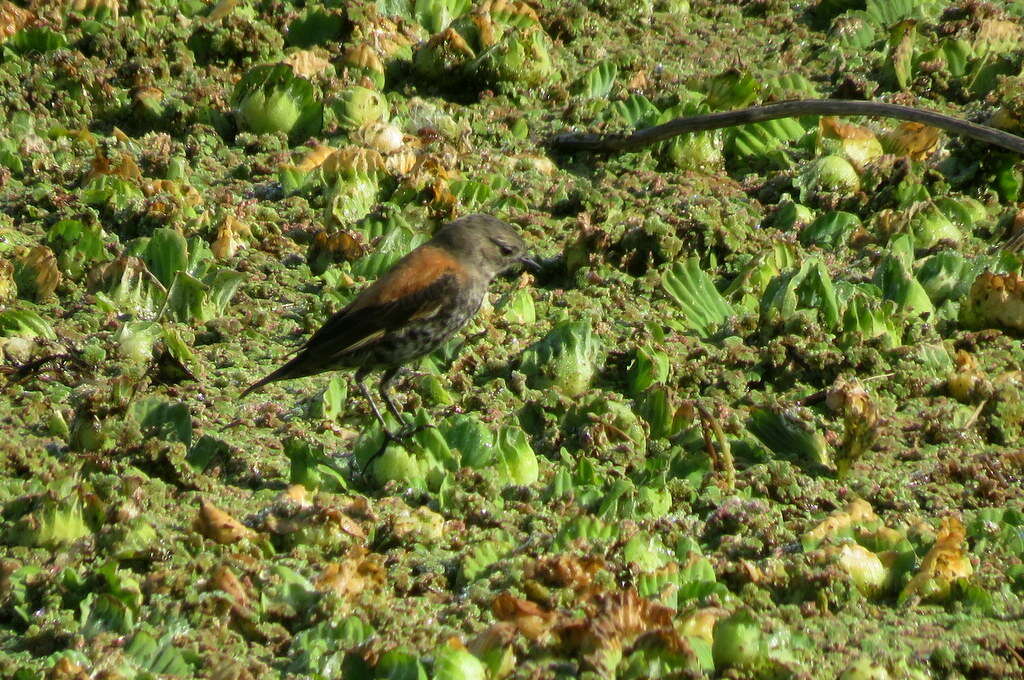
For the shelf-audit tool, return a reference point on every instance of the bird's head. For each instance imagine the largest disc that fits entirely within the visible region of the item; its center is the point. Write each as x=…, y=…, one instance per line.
x=485, y=243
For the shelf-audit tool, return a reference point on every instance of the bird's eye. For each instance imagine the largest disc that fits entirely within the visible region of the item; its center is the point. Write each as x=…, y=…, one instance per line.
x=506, y=250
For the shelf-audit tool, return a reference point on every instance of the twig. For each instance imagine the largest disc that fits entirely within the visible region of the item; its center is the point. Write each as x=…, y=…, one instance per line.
x=722, y=458
x=585, y=141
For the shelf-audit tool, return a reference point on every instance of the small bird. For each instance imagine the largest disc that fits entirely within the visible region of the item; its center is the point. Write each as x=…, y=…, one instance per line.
x=412, y=309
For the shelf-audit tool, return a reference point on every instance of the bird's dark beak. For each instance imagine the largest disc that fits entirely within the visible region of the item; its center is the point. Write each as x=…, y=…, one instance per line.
x=529, y=263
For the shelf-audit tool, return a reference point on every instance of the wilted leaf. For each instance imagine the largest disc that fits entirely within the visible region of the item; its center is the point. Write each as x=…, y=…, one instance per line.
x=219, y=526
x=945, y=564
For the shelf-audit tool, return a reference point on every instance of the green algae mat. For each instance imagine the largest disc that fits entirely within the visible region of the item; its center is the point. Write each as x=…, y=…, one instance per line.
x=758, y=415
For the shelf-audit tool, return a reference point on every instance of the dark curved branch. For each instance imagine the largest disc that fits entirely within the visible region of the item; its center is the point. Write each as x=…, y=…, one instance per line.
x=582, y=141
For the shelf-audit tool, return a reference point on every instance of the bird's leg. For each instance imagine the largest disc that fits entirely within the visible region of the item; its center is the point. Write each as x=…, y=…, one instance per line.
x=359, y=378
x=405, y=430
x=386, y=381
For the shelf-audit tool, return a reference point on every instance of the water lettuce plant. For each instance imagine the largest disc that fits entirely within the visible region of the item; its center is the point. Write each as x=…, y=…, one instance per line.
x=271, y=99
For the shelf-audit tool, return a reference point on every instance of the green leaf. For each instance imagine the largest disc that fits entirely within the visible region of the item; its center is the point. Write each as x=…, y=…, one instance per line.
x=704, y=308
x=830, y=230
x=518, y=461
x=312, y=468
x=166, y=254
x=163, y=419
x=272, y=98
x=159, y=657
x=636, y=110
x=789, y=437
x=597, y=83
x=471, y=438
x=731, y=90
x=25, y=323
x=807, y=288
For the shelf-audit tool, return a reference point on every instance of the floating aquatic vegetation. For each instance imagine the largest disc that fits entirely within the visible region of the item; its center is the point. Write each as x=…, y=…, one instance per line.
x=25, y=323
x=519, y=308
x=483, y=556
x=588, y=530
x=967, y=382
x=866, y=318
x=78, y=246
x=896, y=282
x=316, y=26
x=380, y=136
x=995, y=301
x=597, y=83
x=608, y=428
x=831, y=230
x=520, y=57
x=219, y=526
x=945, y=565
x=566, y=359
x=169, y=421
x=759, y=140
x=13, y=18
x=665, y=413
x=99, y=10
x=807, y=291
x=841, y=523
x=126, y=283
x=786, y=435
x=930, y=226
x=945, y=276
x=8, y=287
x=357, y=106
x=704, y=308
x=858, y=144
x=637, y=110
x=860, y=422
x=748, y=287
x=518, y=461
x=453, y=662
x=323, y=648
x=443, y=56
x=738, y=642
x=54, y=519
x=865, y=569
x=308, y=63
x=271, y=99
x=827, y=175
x=136, y=339
x=865, y=668
x=363, y=61
x=730, y=90
x=36, y=40
x=357, y=572
x=650, y=367
x=36, y=273
x=499, y=43
x=913, y=140
x=700, y=151
x=232, y=235
x=173, y=277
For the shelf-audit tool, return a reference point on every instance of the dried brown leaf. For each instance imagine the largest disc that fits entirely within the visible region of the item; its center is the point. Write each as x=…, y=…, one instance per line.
x=358, y=572
x=37, y=271
x=219, y=526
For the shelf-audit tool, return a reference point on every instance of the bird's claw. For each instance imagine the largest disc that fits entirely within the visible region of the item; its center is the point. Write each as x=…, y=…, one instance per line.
x=403, y=433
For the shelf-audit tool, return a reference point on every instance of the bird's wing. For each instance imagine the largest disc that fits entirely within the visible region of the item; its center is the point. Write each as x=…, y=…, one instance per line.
x=417, y=287
x=353, y=329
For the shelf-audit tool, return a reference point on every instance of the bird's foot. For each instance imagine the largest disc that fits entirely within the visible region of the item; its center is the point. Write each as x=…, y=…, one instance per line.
x=403, y=433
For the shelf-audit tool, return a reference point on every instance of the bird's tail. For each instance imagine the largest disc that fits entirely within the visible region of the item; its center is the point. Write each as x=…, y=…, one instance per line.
x=293, y=368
